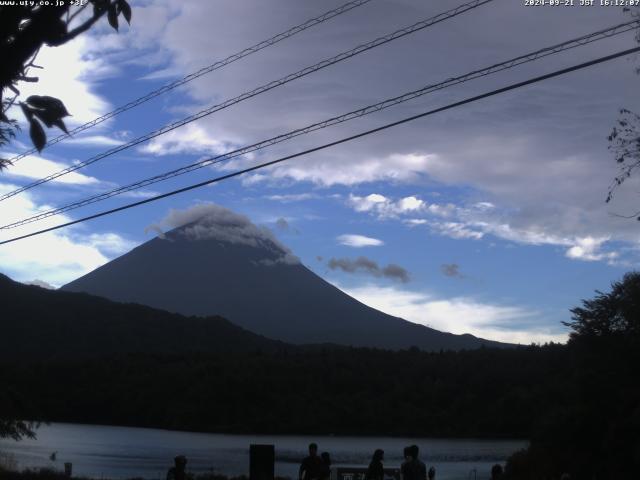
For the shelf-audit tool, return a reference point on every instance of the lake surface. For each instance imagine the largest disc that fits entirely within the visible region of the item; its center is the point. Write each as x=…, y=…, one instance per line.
x=123, y=452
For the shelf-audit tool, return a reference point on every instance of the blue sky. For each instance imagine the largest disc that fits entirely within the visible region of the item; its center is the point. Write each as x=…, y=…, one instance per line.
x=495, y=210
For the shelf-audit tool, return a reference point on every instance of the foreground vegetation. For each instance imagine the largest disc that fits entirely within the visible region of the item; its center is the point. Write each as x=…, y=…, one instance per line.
x=48, y=474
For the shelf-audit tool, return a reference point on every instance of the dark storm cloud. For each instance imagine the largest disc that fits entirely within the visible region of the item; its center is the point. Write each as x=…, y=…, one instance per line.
x=369, y=267
x=451, y=270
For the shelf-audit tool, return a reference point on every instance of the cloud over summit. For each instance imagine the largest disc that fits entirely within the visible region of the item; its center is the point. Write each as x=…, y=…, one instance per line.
x=210, y=221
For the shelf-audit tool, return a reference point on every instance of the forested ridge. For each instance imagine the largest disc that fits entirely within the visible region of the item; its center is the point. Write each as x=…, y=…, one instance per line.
x=321, y=390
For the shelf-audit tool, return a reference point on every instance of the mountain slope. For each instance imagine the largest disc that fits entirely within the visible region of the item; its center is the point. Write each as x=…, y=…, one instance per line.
x=231, y=268
x=40, y=323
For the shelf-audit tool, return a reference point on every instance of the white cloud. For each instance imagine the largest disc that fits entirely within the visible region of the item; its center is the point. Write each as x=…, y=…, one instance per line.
x=385, y=207
x=368, y=203
x=459, y=314
x=190, y=139
x=110, y=243
x=35, y=167
x=289, y=198
x=589, y=249
x=400, y=168
x=54, y=257
x=94, y=141
x=480, y=219
x=413, y=222
x=456, y=230
x=40, y=283
x=140, y=194
x=357, y=241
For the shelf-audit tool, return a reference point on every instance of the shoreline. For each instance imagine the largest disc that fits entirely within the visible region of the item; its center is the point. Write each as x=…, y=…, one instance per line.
x=289, y=434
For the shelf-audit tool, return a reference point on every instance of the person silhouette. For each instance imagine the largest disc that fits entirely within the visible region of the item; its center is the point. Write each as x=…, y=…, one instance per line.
x=414, y=469
x=325, y=471
x=406, y=454
x=311, y=466
x=376, y=467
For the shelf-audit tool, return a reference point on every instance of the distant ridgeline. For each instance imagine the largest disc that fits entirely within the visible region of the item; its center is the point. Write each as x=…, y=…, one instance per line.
x=72, y=357
x=49, y=324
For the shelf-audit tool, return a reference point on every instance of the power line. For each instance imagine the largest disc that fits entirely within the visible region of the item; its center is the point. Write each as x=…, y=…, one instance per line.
x=529, y=57
x=203, y=71
x=332, y=144
x=259, y=90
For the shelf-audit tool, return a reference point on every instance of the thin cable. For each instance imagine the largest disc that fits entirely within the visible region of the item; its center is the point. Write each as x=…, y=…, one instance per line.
x=331, y=144
x=544, y=52
x=203, y=71
x=257, y=91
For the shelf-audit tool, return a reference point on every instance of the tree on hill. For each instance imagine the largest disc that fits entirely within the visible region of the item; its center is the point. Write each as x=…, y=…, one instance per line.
x=613, y=313
x=592, y=428
x=624, y=139
x=24, y=30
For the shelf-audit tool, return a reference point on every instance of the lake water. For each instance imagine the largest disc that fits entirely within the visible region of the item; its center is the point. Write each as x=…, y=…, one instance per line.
x=123, y=452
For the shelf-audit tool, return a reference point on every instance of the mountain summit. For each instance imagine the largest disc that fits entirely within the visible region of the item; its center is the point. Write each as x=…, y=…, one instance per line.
x=216, y=262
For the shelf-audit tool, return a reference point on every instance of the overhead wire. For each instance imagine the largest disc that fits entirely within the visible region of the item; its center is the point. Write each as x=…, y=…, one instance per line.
x=529, y=57
x=257, y=91
x=199, y=73
x=498, y=91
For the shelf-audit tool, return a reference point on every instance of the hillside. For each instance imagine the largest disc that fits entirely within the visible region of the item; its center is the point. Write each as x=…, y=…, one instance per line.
x=40, y=323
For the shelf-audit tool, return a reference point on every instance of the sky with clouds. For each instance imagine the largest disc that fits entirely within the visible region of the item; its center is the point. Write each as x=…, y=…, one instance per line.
x=487, y=219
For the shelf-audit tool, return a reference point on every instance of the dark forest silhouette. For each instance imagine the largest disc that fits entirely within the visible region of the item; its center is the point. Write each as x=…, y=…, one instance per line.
x=578, y=403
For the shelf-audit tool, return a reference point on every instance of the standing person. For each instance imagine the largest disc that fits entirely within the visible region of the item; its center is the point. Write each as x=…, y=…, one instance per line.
x=376, y=467
x=311, y=466
x=414, y=469
x=325, y=473
x=179, y=471
x=406, y=454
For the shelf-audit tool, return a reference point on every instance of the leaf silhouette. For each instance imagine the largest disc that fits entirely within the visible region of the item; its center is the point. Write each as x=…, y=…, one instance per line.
x=126, y=10
x=36, y=132
x=28, y=113
x=112, y=16
x=60, y=124
x=51, y=104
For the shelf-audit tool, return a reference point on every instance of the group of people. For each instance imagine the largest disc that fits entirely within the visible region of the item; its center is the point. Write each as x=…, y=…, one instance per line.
x=318, y=467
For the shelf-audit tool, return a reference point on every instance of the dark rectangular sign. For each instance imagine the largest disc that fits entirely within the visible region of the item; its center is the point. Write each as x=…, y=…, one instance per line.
x=261, y=462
